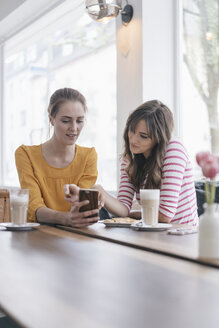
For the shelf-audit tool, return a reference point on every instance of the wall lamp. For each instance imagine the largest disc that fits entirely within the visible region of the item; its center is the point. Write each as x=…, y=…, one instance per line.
x=104, y=10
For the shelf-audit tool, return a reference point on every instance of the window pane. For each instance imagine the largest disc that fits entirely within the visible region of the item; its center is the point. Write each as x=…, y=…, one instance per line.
x=200, y=76
x=79, y=54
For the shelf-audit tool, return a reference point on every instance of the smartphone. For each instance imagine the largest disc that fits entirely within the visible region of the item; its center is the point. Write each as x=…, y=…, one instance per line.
x=92, y=196
x=182, y=231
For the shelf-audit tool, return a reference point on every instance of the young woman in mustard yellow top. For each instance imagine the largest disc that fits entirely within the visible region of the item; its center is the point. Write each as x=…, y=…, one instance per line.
x=46, y=168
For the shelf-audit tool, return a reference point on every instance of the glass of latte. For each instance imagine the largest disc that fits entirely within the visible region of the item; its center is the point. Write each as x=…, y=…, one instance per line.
x=149, y=205
x=19, y=199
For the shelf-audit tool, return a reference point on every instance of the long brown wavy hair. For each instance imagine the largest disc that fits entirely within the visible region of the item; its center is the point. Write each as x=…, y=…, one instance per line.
x=159, y=120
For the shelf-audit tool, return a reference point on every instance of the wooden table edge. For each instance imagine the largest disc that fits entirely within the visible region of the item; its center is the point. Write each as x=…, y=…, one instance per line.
x=207, y=262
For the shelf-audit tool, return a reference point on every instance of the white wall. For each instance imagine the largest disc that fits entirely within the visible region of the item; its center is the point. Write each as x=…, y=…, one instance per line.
x=158, y=51
x=146, y=59
x=129, y=68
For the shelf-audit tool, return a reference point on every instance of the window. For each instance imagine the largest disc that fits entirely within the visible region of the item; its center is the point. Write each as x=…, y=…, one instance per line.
x=200, y=76
x=68, y=52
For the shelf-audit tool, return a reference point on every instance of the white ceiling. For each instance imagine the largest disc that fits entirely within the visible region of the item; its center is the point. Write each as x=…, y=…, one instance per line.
x=6, y=7
x=17, y=14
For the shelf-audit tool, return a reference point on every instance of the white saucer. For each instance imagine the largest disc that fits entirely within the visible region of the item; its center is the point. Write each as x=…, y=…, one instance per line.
x=15, y=227
x=146, y=227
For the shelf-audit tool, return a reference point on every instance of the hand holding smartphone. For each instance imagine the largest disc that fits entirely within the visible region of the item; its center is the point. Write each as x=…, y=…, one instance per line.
x=92, y=196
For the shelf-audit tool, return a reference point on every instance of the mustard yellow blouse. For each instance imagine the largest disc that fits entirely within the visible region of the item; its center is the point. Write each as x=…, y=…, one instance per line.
x=46, y=182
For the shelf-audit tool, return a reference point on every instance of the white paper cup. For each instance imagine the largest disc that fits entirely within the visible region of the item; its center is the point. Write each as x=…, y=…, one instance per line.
x=150, y=199
x=19, y=199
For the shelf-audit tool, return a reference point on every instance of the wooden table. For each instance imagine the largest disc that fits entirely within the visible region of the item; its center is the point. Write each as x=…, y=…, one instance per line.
x=184, y=246
x=54, y=278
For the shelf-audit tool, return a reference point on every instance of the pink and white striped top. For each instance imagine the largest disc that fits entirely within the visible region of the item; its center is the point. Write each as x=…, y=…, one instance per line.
x=177, y=192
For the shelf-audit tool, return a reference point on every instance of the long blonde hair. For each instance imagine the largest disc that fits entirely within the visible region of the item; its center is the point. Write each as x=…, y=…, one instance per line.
x=159, y=120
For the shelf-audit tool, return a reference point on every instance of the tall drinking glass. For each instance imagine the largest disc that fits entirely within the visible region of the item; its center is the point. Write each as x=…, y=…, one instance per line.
x=150, y=205
x=19, y=199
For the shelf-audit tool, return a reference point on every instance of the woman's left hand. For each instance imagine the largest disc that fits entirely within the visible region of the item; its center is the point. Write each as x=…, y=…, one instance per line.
x=78, y=219
x=100, y=195
x=163, y=219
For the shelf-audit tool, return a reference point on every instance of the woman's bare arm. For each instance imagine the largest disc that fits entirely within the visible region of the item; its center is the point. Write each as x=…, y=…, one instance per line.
x=112, y=204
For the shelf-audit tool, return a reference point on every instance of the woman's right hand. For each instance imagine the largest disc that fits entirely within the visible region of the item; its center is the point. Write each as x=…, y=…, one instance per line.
x=75, y=218
x=78, y=219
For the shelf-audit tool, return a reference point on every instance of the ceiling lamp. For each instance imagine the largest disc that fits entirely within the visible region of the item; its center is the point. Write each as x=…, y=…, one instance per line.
x=104, y=10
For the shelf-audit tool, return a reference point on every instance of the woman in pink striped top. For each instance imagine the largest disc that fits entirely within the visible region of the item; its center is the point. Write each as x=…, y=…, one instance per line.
x=152, y=159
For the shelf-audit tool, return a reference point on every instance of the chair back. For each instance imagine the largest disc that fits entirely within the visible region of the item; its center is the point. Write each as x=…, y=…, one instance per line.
x=5, y=214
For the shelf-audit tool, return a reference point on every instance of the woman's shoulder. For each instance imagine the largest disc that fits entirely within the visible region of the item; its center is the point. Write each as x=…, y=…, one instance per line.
x=86, y=151
x=28, y=149
x=26, y=154
x=175, y=144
